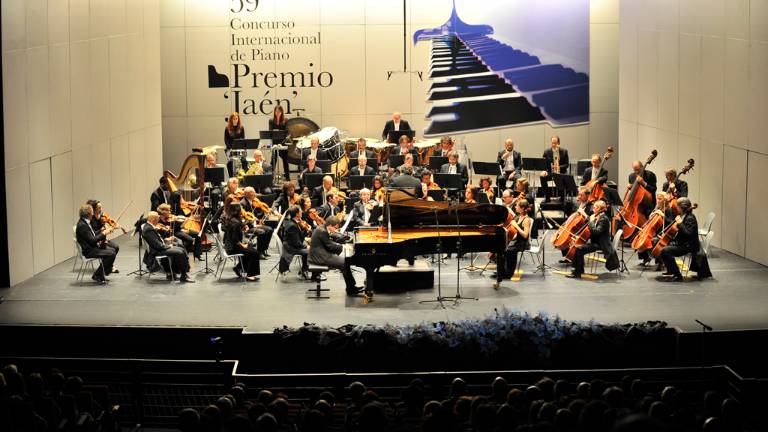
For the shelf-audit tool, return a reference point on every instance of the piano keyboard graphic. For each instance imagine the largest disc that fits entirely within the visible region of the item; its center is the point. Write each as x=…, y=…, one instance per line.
x=480, y=83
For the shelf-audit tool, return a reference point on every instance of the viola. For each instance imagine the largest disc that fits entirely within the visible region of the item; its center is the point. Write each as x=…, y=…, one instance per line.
x=635, y=199
x=597, y=189
x=669, y=234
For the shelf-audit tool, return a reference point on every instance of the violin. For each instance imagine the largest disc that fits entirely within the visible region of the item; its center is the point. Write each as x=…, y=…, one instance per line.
x=597, y=189
x=108, y=221
x=316, y=218
x=304, y=225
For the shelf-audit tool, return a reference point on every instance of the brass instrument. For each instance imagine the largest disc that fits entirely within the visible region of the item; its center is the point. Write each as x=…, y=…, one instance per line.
x=556, y=158
x=255, y=169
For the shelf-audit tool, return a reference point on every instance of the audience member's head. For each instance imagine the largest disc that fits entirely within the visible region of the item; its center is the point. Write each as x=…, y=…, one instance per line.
x=313, y=421
x=499, y=389
x=547, y=387
x=266, y=423
x=458, y=387
x=614, y=397
x=210, y=418
x=279, y=408
x=660, y=411
x=584, y=390
x=225, y=406
x=565, y=420
x=373, y=418
x=189, y=420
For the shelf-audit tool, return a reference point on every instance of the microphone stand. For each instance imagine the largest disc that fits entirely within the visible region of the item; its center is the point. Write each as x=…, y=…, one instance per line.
x=439, y=298
x=622, y=264
x=543, y=266
x=206, y=224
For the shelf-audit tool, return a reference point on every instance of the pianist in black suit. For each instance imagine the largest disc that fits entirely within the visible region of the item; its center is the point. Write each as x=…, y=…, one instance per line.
x=674, y=185
x=362, y=150
x=313, y=150
x=511, y=163
x=362, y=167
x=556, y=158
x=595, y=171
x=454, y=167
x=93, y=244
x=278, y=122
x=366, y=211
x=323, y=250
x=396, y=124
x=156, y=245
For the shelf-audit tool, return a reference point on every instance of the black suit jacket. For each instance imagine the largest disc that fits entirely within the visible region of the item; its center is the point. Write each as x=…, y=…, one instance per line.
x=406, y=181
x=681, y=186
x=233, y=234
x=367, y=171
x=86, y=237
x=549, y=157
x=460, y=169
x=390, y=126
x=155, y=243
x=368, y=154
x=158, y=198
x=360, y=213
x=317, y=196
x=324, y=211
x=587, y=176
x=293, y=237
x=413, y=151
x=650, y=179
x=517, y=159
x=688, y=233
x=321, y=155
x=600, y=230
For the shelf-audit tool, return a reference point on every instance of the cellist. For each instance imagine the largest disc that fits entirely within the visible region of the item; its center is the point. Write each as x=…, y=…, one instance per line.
x=600, y=239
x=674, y=185
x=585, y=207
x=686, y=242
x=662, y=204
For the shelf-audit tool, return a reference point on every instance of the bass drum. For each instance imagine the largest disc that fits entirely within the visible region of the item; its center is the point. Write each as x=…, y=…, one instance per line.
x=298, y=127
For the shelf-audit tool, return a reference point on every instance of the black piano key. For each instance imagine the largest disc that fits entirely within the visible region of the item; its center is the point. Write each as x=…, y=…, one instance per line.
x=482, y=114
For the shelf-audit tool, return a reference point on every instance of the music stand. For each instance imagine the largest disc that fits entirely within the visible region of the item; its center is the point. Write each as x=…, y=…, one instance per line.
x=396, y=160
x=437, y=162
x=313, y=180
x=268, y=199
x=394, y=136
x=534, y=164
x=258, y=182
x=245, y=143
x=274, y=135
x=566, y=183
x=449, y=181
x=487, y=169
x=437, y=194
x=482, y=198
x=371, y=162
x=215, y=175
x=324, y=165
x=357, y=182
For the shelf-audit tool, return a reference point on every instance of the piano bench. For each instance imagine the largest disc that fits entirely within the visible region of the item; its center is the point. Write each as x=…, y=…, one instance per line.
x=317, y=269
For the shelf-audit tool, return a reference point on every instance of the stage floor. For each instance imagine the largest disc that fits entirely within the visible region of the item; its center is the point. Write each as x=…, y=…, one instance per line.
x=737, y=298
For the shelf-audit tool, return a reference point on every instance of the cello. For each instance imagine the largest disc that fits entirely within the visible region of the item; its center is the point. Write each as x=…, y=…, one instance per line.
x=669, y=234
x=644, y=238
x=572, y=226
x=598, y=189
x=636, y=197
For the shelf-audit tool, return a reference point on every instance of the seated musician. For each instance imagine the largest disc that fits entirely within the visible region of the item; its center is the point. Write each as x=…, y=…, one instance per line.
x=508, y=197
x=408, y=166
x=215, y=190
x=235, y=243
x=311, y=168
x=396, y=124
x=426, y=179
x=293, y=241
x=367, y=211
x=190, y=239
x=287, y=198
x=100, y=227
x=445, y=147
x=308, y=213
x=279, y=122
x=469, y=194
x=585, y=207
x=233, y=188
x=487, y=189
x=92, y=243
x=522, y=241
x=600, y=239
x=362, y=167
x=404, y=147
x=260, y=167
x=454, y=167
x=686, y=242
x=251, y=204
x=523, y=190
x=163, y=195
x=323, y=250
x=331, y=206
x=320, y=193
x=378, y=190
x=362, y=150
x=313, y=150
x=595, y=171
x=511, y=163
x=662, y=204
x=556, y=158
x=157, y=245
x=673, y=185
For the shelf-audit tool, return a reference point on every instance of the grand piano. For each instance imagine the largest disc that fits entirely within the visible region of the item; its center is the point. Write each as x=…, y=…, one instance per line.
x=410, y=228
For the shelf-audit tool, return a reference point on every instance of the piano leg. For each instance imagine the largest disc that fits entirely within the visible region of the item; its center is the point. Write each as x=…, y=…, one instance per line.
x=370, y=276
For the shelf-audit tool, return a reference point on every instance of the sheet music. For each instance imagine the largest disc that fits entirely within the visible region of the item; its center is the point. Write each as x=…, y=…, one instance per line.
x=346, y=223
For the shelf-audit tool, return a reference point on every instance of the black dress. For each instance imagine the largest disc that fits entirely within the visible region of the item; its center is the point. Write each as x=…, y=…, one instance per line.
x=283, y=153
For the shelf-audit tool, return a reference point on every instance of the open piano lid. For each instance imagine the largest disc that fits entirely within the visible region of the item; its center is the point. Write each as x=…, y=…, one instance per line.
x=409, y=211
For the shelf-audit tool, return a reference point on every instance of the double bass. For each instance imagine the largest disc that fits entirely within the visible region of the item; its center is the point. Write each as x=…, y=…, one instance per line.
x=597, y=189
x=672, y=195
x=669, y=234
x=635, y=199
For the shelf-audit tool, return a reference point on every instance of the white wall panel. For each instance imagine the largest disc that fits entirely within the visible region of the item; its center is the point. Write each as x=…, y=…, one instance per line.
x=207, y=131
x=116, y=21
x=119, y=86
x=628, y=76
x=120, y=173
x=134, y=16
x=713, y=71
x=58, y=22
x=101, y=170
x=736, y=114
x=690, y=16
x=346, y=12
x=711, y=188
x=648, y=88
x=758, y=20
x=99, y=125
x=209, y=13
x=347, y=95
x=737, y=19
x=80, y=94
x=41, y=214
x=151, y=39
x=19, y=227
x=604, y=67
x=690, y=84
x=140, y=187
x=757, y=207
x=758, y=97
x=666, y=144
x=669, y=66
x=37, y=23
x=99, y=18
x=603, y=11
x=385, y=96
x=79, y=20
x=82, y=175
x=15, y=108
x=14, y=24
x=712, y=17
x=135, y=102
x=63, y=206
x=153, y=149
x=735, y=200
x=689, y=148
x=37, y=104
x=628, y=135
x=59, y=103
x=174, y=144
x=173, y=63
x=668, y=15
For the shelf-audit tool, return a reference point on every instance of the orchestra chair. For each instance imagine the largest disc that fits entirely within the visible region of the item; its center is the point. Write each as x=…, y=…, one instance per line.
x=536, y=250
x=295, y=258
x=159, y=261
x=237, y=259
x=317, y=269
x=85, y=262
x=703, y=248
x=706, y=229
x=599, y=256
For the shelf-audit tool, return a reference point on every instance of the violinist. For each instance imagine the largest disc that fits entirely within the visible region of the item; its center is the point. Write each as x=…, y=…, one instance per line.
x=293, y=241
x=686, y=242
x=320, y=193
x=522, y=224
x=189, y=239
x=279, y=122
x=331, y=206
x=235, y=243
x=511, y=163
x=308, y=214
x=378, y=190
x=673, y=185
x=366, y=210
x=157, y=245
x=404, y=147
x=164, y=195
x=445, y=147
x=99, y=225
x=595, y=171
x=600, y=239
x=426, y=180
x=251, y=204
x=233, y=188
x=487, y=189
x=287, y=198
x=311, y=168
x=91, y=242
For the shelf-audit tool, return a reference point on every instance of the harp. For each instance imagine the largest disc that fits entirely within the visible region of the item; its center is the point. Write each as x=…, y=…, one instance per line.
x=194, y=165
